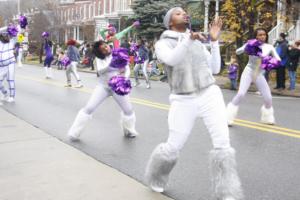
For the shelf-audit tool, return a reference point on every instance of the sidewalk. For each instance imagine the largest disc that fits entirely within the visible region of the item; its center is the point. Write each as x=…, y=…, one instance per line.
x=37, y=166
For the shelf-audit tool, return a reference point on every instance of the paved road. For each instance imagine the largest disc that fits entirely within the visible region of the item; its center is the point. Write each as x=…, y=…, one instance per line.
x=268, y=156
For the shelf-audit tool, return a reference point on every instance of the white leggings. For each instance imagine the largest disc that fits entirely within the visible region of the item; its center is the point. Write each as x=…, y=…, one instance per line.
x=100, y=94
x=261, y=84
x=9, y=75
x=210, y=106
x=72, y=69
x=144, y=68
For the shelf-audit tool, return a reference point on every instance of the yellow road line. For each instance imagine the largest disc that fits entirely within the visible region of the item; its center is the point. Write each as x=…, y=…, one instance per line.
x=268, y=126
x=268, y=130
x=240, y=122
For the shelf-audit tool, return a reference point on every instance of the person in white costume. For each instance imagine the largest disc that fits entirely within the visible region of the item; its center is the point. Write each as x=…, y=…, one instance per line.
x=7, y=64
x=102, y=92
x=253, y=73
x=194, y=94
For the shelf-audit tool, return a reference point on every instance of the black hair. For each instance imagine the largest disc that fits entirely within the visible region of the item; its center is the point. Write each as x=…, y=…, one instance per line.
x=48, y=42
x=97, y=51
x=283, y=35
x=4, y=38
x=261, y=29
x=142, y=41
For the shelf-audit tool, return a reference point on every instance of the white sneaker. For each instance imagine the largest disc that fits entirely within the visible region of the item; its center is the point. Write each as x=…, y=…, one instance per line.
x=10, y=100
x=136, y=84
x=229, y=198
x=79, y=86
x=157, y=189
x=4, y=97
x=73, y=138
x=148, y=86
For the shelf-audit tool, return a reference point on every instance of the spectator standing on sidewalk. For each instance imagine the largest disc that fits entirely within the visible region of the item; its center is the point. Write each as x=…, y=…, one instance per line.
x=89, y=55
x=74, y=56
x=232, y=73
x=282, y=50
x=141, y=60
x=292, y=64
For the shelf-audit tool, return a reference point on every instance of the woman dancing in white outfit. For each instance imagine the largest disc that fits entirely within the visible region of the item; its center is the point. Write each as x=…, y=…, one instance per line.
x=101, y=92
x=189, y=67
x=253, y=73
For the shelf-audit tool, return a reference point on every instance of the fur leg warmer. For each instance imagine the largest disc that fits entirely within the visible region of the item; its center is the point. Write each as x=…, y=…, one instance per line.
x=267, y=115
x=232, y=111
x=159, y=166
x=78, y=125
x=128, y=125
x=225, y=180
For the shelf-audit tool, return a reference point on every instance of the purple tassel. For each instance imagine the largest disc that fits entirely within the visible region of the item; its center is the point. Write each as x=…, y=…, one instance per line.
x=45, y=34
x=268, y=63
x=65, y=61
x=12, y=30
x=133, y=48
x=136, y=23
x=120, y=58
x=23, y=21
x=253, y=47
x=120, y=85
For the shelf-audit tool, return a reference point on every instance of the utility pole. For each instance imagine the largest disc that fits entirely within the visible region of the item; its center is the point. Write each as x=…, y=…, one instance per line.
x=206, y=7
x=19, y=8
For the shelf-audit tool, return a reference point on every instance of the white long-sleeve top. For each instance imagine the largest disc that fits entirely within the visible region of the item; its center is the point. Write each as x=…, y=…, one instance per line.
x=189, y=64
x=255, y=61
x=106, y=72
x=7, y=53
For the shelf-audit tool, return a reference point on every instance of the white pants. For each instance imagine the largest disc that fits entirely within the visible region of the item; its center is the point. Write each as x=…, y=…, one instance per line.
x=210, y=106
x=8, y=73
x=144, y=68
x=72, y=69
x=261, y=84
x=100, y=93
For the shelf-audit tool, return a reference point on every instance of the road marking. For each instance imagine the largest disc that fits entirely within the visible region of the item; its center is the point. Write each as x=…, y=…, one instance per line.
x=268, y=126
x=268, y=130
x=245, y=123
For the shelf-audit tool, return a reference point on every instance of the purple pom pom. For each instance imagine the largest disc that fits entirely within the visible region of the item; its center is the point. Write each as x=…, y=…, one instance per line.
x=45, y=34
x=12, y=30
x=253, y=47
x=120, y=85
x=268, y=63
x=136, y=23
x=23, y=21
x=65, y=61
x=120, y=58
x=133, y=48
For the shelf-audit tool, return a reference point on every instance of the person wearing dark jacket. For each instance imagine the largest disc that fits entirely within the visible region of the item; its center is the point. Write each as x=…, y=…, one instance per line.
x=282, y=50
x=141, y=59
x=74, y=56
x=292, y=64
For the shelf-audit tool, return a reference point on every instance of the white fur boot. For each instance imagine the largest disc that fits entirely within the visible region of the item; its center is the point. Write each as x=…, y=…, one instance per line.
x=128, y=125
x=267, y=115
x=226, y=183
x=78, y=125
x=232, y=111
x=159, y=166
